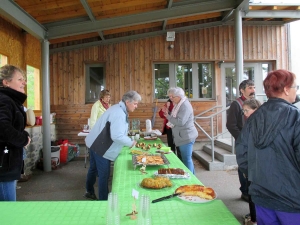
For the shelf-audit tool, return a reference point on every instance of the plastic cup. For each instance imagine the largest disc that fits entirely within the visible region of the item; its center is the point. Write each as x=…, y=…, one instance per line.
x=113, y=210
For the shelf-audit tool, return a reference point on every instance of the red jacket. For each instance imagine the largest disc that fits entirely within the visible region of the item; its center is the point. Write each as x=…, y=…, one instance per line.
x=161, y=114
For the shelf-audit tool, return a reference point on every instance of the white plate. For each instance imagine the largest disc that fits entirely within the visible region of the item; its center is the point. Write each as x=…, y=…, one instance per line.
x=174, y=176
x=195, y=199
x=150, y=138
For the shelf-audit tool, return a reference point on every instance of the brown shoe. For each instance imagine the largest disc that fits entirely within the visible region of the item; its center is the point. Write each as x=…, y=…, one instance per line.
x=23, y=178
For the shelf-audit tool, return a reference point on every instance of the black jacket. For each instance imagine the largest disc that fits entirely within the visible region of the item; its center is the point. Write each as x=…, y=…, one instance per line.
x=235, y=119
x=12, y=133
x=268, y=150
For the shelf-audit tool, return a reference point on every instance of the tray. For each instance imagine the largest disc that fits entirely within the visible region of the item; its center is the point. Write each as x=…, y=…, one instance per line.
x=195, y=199
x=136, y=163
x=150, y=138
x=173, y=176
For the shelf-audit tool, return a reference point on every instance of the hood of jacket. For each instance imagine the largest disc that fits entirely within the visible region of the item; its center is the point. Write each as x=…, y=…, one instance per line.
x=264, y=129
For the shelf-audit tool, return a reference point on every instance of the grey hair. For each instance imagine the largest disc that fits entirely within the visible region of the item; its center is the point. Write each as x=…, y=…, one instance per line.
x=131, y=96
x=176, y=91
x=7, y=72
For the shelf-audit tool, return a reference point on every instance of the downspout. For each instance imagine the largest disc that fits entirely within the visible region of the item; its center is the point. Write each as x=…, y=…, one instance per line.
x=289, y=55
x=239, y=60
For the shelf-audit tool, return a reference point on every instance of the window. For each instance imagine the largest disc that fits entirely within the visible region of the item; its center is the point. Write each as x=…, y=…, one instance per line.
x=3, y=60
x=95, y=81
x=196, y=79
x=33, y=88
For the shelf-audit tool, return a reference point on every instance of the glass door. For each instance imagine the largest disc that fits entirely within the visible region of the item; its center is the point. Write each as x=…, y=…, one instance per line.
x=253, y=71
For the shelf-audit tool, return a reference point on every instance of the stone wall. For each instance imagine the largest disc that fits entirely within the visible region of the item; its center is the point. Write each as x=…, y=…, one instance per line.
x=34, y=149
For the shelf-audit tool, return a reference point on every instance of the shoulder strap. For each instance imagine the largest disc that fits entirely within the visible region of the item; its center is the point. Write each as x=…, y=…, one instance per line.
x=240, y=101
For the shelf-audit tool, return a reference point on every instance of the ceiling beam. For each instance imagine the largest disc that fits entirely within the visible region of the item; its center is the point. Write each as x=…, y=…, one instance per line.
x=15, y=14
x=91, y=15
x=168, y=7
x=153, y=16
x=272, y=14
x=157, y=33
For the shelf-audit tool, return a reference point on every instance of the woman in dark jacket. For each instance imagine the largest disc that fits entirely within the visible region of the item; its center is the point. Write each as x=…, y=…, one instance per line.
x=13, y=137
x=268, y=152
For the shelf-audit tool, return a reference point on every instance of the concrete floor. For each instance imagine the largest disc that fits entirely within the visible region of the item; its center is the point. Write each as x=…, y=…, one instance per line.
x=67, y=183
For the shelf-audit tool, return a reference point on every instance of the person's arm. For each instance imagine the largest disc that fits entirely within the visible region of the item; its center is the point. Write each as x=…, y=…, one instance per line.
x=182, y=116
x=241, y=150
x=94, y=115
x=118, y=130
x=234, y=112
x=9, y=133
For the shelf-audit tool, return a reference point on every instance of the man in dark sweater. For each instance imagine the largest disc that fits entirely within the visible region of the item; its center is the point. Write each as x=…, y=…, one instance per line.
x=235, y=122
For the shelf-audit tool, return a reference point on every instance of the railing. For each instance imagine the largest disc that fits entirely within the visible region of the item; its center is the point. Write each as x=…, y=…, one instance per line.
x=211, y=117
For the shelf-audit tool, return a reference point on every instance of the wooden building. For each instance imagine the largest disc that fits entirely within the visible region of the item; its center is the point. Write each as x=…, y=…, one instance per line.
x=138, y=56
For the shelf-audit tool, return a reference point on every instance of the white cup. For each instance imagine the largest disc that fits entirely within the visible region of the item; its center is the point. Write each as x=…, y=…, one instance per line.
x=137, y=137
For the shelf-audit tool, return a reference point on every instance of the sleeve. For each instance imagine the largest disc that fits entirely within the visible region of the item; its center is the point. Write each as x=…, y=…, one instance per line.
x=232, y=119
x=161, y=113
x=118, y=130
x=94, y=114
x=8, y=133
x=182, y=116
x=241, y=150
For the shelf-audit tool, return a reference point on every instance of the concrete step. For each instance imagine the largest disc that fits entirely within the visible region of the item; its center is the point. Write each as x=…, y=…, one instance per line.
x=224, y=143
x=206, y=160
x=222, y=155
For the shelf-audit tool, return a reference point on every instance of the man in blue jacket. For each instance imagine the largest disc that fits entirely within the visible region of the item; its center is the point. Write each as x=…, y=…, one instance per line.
x=105, y=141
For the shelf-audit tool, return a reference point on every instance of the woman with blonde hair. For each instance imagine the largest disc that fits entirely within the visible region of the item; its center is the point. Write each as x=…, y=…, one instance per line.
x=100, y=107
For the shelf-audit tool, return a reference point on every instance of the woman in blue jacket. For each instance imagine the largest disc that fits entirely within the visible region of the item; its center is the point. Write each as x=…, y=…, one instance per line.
x=268, y=152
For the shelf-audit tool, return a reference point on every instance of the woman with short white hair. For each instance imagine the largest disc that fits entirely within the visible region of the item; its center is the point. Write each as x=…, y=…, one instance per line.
x=181, y=120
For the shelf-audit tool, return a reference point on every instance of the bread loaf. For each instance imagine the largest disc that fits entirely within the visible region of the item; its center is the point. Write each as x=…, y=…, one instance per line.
x=176, y=171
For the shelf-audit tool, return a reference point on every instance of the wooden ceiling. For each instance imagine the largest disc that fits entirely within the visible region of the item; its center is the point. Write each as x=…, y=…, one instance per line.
x=117, y=20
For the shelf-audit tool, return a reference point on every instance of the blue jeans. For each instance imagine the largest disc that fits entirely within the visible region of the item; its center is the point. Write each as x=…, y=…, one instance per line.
x=186, y=155
x=100, y=166
x=8, y=191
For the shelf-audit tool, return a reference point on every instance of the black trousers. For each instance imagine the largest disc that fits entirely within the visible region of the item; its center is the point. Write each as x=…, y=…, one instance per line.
x=171, y=143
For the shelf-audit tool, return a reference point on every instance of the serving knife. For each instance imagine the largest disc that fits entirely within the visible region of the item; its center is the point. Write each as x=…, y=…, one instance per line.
x=165, y=197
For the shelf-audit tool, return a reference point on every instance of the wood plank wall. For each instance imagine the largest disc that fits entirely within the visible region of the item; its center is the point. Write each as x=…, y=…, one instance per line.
x=20, y=47
x=129, y=67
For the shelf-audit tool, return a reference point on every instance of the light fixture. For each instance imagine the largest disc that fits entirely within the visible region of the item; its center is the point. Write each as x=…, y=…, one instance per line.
x=170, y=36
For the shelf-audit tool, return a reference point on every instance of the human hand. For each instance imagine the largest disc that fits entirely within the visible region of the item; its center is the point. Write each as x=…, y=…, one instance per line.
x=168, y=104
x=134, y=143
x=29, y=140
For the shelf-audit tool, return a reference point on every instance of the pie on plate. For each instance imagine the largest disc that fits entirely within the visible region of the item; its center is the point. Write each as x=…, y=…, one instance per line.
x=196, y=193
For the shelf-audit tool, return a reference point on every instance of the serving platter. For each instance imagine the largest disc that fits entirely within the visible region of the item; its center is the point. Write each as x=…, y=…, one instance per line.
x=150, y=138
x=135, y=161
x=195, y=199
x=173, y=176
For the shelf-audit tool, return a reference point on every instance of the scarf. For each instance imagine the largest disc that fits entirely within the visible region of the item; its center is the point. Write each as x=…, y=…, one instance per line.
x=105, y=105
x=175, y=111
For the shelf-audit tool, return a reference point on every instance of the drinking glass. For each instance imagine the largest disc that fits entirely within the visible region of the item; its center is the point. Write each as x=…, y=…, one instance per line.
x=144, y=214
x=113, y=210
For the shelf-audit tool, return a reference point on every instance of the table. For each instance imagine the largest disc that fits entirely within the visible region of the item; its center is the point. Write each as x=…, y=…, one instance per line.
x=84, y=134
x=169, y=212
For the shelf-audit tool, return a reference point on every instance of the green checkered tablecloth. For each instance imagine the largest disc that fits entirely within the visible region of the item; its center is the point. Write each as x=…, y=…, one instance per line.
x=169, y=212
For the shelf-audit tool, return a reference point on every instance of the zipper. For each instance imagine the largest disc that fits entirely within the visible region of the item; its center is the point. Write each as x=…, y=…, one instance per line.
x=5, y=152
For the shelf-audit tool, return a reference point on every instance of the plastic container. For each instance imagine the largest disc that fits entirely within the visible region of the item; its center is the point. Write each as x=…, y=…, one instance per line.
x=64, y=153
x=38, y=120
x=55, y=154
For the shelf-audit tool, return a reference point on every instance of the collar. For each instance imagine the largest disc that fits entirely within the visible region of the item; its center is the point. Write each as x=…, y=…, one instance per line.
x=17, y=96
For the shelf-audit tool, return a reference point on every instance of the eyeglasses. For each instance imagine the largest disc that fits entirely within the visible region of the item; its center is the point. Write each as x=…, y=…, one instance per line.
x=296, y=86
x=245, y=111
x=173, y=96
